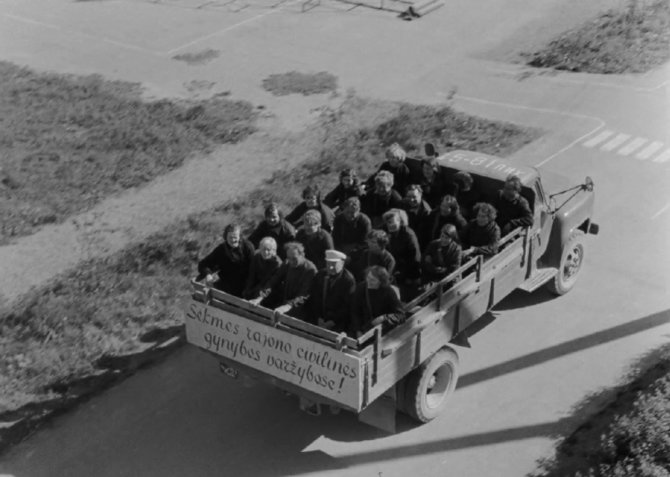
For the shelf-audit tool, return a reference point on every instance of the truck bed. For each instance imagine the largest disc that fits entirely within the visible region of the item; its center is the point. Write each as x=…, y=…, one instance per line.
x=333, y=368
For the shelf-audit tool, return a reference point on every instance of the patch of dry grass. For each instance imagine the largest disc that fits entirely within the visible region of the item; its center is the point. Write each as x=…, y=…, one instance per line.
x=198, y=58
x=67, y=142
x=634, y=39
x=295, y=82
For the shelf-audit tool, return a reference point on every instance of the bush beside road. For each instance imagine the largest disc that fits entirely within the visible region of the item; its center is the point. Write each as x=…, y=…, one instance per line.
x=630, y=435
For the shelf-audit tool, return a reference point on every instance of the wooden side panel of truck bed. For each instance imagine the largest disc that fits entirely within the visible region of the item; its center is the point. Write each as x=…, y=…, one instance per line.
x=438, y=321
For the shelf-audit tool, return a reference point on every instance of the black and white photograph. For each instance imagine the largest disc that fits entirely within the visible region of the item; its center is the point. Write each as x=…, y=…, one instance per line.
x=335, y=238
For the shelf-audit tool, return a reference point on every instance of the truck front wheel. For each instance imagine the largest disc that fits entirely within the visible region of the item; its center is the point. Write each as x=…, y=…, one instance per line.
x=572, y=260
x=429, y=385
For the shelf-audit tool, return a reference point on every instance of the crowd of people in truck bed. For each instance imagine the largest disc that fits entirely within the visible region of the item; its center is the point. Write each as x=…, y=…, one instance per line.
x=348, y=260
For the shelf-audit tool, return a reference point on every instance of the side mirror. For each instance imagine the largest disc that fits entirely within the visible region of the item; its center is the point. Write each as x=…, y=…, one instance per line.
x=588, y=184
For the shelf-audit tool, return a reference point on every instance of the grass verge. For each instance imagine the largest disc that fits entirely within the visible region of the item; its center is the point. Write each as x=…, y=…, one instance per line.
x=633, y=39
x=62, y=333
x=629, y=436
x=67, y=142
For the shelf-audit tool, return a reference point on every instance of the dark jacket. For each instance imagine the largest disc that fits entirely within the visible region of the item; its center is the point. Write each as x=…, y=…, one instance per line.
x=436, y=221
x=232, y=265
x=374, y=205
x=439, y=261
x=417, y=216
x=290, y=285
x=467, y=200
x=485, y=239
x=348, y=235
x=368, y=304
x=513, y=214
x=315, y=246
x=327, y=216
x=434, y=190
x=260, y=273
x=336, y=197
x=283, y=233
x=404, y=247
x=330, y=299
x=362, y=258
x=401, y=177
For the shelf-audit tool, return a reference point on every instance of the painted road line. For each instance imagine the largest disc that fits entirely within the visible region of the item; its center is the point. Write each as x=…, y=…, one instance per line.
x=632, y=146
x=618, y=140
x=663, y=157
x=650, y=150
x=598, y=139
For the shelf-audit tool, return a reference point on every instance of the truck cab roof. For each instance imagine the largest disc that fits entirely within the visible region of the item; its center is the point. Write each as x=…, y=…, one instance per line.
x=486, y=165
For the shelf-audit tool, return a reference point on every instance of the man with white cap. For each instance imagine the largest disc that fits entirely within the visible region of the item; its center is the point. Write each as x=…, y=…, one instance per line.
x=329, y=298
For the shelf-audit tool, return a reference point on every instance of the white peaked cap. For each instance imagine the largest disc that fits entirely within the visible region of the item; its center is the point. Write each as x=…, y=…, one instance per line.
x=335, y=255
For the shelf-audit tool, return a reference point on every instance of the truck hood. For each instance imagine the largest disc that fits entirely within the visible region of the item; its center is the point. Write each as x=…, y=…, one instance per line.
x=554, y=182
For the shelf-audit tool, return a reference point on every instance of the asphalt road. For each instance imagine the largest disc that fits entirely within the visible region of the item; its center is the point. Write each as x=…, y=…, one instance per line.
x=525, y=371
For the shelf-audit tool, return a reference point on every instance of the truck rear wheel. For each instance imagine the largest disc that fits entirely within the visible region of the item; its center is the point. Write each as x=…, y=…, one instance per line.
x=429, y=385
x=572, y=260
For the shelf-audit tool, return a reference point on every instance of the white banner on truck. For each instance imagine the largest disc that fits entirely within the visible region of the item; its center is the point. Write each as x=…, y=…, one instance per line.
x=307, y=364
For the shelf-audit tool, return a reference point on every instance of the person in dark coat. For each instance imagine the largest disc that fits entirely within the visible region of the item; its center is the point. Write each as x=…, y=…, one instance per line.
x=311, y=200
x=443, y=255
x=231, y=261
x=416, y=208
x=394, y=164
x=447, y=213
x=289, y=288
x=404, y=247
x=433, y=182
x=373, y=253
x=264, y=265
x=375, y=302
x=467, y=194
x=330, y=297
x=315, y=240
x=349, y=186
x=381, y=199
x=274, y=226
x=513, y=210
x=482, y=235
x=351, y=227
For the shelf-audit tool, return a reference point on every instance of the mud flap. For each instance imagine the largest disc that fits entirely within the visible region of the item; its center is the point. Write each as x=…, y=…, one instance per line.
x=382, y=412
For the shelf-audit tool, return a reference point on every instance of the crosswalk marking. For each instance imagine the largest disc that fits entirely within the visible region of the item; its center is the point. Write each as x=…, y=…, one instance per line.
x=663, y=157
x=598, y=139
x=632, y=146
x=618, y=140
x=648, y=151
x=623, y=144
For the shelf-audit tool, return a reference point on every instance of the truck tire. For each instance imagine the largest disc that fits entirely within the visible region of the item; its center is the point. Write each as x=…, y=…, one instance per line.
x=572, y=260
x=429, y=385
